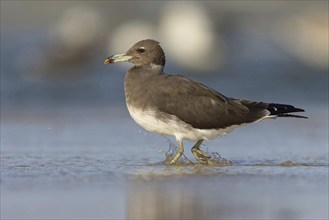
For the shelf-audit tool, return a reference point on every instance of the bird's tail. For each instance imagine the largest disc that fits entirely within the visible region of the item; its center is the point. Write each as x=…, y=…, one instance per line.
x=282, y=110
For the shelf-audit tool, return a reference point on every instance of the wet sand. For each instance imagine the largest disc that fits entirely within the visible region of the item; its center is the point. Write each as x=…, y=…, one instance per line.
x=97, y=163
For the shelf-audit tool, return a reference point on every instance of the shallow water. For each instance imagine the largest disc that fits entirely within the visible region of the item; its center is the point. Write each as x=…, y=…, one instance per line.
x=97, y=163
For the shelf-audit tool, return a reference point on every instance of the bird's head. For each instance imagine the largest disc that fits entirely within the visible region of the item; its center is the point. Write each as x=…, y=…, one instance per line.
x=143, y=53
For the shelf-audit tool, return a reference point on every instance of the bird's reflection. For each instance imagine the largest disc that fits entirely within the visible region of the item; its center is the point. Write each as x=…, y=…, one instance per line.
x=158, y=200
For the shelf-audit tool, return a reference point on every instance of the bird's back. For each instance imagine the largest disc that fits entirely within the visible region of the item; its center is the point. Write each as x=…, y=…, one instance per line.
x=190, y=101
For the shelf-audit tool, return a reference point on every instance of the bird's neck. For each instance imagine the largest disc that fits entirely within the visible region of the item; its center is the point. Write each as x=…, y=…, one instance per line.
x=156, y=67
x=150, y=68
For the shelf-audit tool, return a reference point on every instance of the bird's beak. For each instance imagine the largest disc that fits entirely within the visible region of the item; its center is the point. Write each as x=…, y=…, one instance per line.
x=117, y=58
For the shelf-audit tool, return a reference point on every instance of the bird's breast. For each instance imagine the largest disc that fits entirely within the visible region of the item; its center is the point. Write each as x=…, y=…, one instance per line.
x=166, y=124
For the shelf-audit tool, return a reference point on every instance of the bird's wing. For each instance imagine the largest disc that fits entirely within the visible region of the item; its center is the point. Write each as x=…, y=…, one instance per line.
x=203, y=107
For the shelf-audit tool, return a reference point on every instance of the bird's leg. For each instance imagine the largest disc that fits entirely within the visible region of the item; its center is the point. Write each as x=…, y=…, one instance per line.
x=179, y=153
x=199, y=155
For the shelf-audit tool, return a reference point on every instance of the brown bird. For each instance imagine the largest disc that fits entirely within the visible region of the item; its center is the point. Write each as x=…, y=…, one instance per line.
x=181, y=107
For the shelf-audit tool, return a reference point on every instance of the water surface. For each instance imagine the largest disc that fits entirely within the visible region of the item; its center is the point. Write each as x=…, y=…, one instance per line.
x=97, y=163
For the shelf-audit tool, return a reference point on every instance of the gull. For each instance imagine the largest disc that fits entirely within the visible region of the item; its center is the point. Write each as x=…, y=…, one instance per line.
x=177, y=106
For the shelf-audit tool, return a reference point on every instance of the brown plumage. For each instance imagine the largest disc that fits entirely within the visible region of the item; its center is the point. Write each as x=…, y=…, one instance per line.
x=175, y=105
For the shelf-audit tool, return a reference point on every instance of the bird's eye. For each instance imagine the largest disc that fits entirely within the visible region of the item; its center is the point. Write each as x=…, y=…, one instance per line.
x=141, y=50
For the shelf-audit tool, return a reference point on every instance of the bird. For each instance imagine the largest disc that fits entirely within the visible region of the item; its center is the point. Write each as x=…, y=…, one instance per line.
x=174, y=105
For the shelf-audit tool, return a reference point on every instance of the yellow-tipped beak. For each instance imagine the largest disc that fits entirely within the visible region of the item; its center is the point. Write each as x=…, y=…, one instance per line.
x=107, y=61
x=117, y=58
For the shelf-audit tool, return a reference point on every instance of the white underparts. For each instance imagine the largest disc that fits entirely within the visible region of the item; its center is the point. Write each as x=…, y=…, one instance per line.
x=174, y=126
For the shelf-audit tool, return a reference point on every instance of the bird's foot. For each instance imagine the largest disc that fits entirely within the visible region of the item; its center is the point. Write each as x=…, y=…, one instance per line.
x=182, y=161
x=177, y=156
x=212, y=160
x=172, y=162
x=201, y=156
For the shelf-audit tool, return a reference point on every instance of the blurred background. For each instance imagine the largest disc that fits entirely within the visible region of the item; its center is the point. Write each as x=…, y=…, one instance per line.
x=52, y=53
x=64, y=122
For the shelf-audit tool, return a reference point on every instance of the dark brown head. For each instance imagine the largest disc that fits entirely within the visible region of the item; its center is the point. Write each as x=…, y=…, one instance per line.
x=143, y=53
